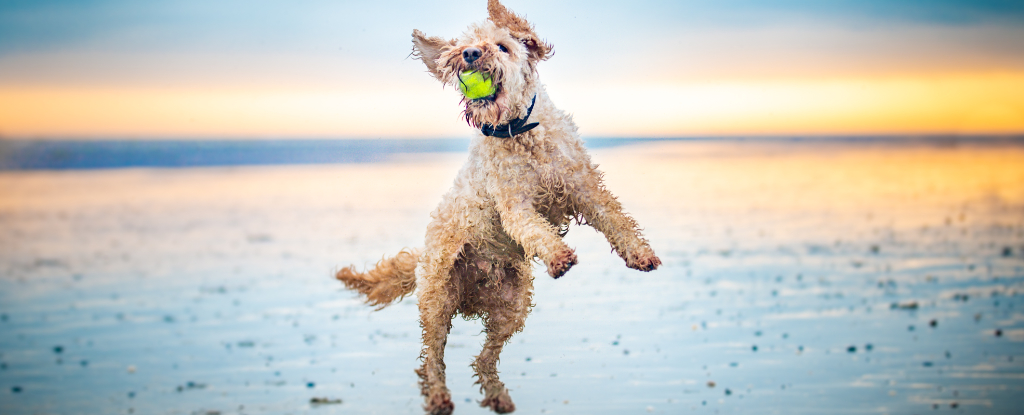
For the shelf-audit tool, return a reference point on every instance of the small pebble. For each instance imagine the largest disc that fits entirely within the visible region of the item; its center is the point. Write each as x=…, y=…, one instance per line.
x=933, y=323
x=912, y=305
x=999, y=333
x=711, y=383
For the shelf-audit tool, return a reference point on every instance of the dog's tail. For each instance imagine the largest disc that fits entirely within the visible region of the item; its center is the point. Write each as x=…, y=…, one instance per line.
x=390, y=280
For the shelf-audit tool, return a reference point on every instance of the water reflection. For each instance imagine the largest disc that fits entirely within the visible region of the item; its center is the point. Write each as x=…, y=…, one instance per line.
x=798, y=278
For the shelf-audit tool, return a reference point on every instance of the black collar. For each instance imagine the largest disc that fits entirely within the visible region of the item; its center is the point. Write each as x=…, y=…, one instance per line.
x=513, y=128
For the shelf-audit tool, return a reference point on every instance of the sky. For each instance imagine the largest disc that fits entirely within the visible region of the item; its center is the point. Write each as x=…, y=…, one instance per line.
x=97, y=69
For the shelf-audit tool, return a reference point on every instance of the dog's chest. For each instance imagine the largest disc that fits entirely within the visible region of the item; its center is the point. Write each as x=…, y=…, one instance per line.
x=550, y=181
x=542, y=174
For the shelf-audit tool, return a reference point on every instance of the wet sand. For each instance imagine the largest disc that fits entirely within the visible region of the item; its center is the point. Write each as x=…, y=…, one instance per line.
x=799, y=277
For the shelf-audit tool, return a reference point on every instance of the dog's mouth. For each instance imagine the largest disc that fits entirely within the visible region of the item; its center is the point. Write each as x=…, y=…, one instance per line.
x=483, y=95
x=487, y=99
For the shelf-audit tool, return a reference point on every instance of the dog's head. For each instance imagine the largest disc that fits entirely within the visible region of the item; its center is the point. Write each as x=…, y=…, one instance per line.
x=504, y=47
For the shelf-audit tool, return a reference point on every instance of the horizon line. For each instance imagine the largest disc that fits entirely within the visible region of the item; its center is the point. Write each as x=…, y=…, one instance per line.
x=681, y=137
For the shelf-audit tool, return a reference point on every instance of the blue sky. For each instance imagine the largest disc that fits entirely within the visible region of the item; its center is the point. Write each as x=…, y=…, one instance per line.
x=380, y=30
x=345, y=46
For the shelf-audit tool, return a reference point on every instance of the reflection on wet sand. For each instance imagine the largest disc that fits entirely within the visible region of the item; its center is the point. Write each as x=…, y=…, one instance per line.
x=799, y=277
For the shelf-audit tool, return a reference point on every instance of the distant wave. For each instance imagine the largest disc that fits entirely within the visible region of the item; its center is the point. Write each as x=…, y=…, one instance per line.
x=64, y=155
x=113, y=154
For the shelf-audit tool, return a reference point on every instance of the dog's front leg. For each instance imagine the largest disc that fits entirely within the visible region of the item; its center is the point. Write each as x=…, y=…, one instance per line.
x=531, y=230
x=601, y=210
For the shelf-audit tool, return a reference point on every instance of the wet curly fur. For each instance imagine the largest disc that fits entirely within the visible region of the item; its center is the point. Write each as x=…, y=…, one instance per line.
x=511, y=203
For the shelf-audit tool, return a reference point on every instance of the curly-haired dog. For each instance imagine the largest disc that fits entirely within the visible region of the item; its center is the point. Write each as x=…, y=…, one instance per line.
x=528, y=176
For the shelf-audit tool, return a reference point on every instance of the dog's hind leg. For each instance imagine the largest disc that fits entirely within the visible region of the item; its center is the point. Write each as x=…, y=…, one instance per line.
x=437, y=302
x=508, y=305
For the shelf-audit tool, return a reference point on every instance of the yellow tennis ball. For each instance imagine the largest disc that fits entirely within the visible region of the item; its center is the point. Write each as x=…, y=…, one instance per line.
x=476, y=85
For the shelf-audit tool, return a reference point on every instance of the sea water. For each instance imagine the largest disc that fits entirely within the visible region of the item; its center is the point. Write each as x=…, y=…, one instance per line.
x=798, y=277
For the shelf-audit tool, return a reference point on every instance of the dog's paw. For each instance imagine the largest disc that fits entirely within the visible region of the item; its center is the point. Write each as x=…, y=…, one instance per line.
x=500, y=403
x=439, y=403
x=563, y=260
x=645, y=261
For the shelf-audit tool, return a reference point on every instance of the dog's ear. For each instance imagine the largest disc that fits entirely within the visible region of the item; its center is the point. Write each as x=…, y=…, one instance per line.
x=520, y=29
x=428, y=49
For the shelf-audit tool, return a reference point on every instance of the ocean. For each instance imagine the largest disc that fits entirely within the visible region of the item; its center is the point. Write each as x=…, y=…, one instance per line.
x=800, y=276
x=112, y=154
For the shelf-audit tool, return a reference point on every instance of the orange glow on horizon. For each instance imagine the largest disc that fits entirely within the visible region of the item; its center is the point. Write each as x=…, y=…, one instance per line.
x=951, y=104
x=979, y=103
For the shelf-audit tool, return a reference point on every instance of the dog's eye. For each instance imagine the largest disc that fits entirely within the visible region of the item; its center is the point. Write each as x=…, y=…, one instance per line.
x=502, y=48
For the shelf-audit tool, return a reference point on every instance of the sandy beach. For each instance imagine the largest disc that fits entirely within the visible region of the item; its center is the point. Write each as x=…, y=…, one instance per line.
x=799, y=278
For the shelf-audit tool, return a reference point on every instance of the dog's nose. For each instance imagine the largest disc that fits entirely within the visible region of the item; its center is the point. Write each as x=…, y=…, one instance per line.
x=470, y=55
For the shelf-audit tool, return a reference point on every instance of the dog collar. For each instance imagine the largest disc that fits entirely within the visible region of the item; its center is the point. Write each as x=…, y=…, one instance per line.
x=514, y=127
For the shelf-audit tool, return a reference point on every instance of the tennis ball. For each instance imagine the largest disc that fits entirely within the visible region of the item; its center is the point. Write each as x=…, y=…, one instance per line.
x=476, y=85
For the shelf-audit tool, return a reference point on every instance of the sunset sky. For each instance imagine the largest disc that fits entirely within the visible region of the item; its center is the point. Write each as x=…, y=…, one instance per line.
x=340, y=69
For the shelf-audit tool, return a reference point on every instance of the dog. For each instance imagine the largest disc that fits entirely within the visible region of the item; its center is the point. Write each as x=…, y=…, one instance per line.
x=527, y=178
